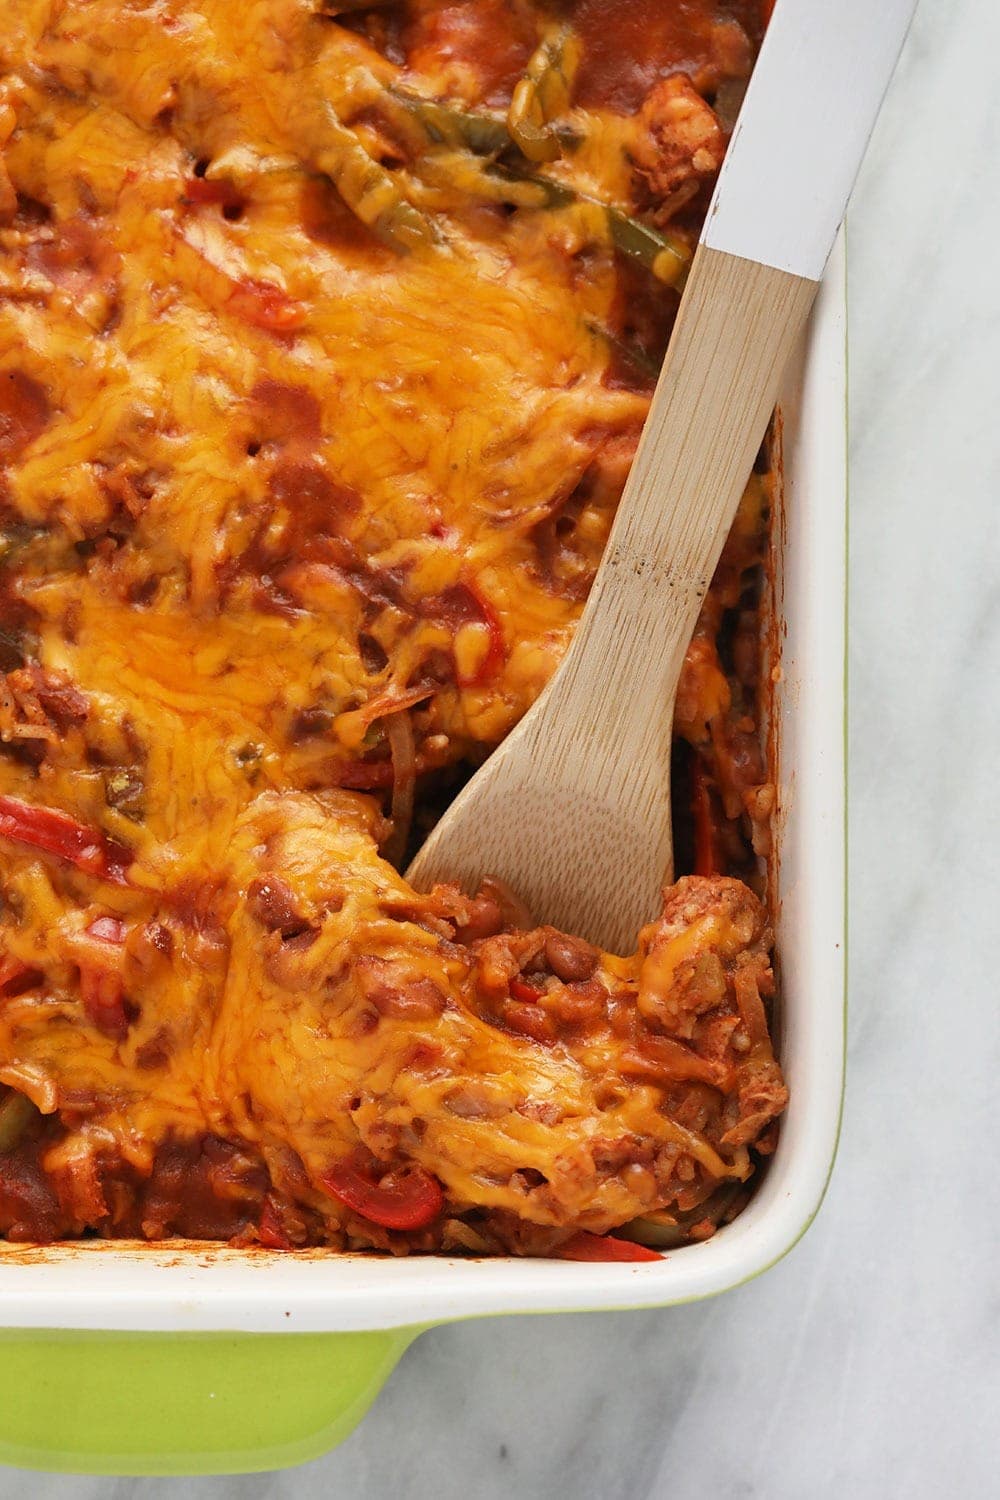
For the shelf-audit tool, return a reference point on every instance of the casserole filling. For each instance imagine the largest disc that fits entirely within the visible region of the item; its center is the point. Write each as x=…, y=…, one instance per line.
x=327, y=332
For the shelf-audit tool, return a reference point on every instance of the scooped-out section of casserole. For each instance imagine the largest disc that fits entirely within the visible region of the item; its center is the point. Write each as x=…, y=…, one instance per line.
x=327, y=332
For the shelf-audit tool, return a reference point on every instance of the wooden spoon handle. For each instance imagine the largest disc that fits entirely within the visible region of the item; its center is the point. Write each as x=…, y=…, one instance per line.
x=738, y=324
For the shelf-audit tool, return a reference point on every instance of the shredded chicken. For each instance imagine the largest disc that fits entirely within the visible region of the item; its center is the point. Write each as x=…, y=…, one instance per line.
x=681, y=149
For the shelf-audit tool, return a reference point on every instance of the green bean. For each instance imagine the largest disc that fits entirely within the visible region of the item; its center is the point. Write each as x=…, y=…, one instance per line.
x=446, y=124
x=660, y=1230
x=542, y=94
x=16, y=1114
x=443, y=122
x=631, y=354
x=11, y=652
x=664, y=1230
x=667, y=256
x=15, y=537
x=375, y=197
x=368, y=189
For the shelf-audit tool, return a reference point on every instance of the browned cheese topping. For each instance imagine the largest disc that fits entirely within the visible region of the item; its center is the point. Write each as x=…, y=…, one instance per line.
x=327, y=332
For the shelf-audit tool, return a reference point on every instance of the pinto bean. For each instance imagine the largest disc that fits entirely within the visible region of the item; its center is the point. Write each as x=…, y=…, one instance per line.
x=414, y=1000
x=570, y=958
x=397, y=993
x=272, y=902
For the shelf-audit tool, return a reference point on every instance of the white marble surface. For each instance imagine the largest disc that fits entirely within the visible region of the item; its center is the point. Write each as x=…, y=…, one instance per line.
x=866, y=1365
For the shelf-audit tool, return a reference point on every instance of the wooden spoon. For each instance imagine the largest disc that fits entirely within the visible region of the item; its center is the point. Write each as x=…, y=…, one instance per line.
x=573, y=809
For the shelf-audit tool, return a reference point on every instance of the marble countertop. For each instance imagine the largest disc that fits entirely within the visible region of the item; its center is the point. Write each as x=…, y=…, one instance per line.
x=867, y=1364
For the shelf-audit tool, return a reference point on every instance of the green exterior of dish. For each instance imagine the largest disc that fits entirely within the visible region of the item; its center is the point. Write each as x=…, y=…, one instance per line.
x=185, y=1404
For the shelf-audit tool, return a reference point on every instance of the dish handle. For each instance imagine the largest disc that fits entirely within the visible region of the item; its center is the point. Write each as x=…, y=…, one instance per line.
x=185, y=1404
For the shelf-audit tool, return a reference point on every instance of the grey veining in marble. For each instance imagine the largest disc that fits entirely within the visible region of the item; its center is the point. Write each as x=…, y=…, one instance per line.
x=867, y=1364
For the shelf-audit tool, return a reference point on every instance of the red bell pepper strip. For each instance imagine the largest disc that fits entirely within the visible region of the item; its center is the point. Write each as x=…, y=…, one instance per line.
x=216, y=190
x=495, y=655
x=405, y=1198
x=265, y=305
x=270, y=1230
x=463, y=604
x=16, y=977
x=56, y=833
x=103, y=997
x=364, y=775
x=101, y=988
x=522, y=990
x=604, y=1248
x=706, y=855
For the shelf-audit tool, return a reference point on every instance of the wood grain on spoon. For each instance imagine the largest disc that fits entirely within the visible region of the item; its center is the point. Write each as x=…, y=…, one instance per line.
x=573, y=809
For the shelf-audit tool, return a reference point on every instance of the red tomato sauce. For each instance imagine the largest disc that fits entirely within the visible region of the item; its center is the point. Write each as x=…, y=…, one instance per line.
x=24, y=411
x=629, y=44
x=493, y=36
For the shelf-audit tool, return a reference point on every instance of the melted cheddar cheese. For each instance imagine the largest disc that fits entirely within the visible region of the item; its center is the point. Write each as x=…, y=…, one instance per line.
x=313, y=419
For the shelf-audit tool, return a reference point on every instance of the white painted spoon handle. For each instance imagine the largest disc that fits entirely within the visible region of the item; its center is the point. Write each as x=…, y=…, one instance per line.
x=805, y=122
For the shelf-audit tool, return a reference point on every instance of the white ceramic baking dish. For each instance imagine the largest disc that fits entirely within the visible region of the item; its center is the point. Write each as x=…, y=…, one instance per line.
x=187, y=1360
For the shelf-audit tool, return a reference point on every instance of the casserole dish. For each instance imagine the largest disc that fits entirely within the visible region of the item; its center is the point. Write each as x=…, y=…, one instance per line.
x=141, y=1360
